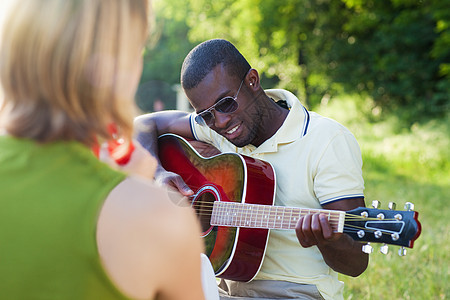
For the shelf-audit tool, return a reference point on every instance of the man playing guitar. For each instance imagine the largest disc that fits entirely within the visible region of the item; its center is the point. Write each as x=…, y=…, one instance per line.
x=317, y=163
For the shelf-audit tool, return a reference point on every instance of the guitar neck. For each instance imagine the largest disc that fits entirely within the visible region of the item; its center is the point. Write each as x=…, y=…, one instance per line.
x=233, y=214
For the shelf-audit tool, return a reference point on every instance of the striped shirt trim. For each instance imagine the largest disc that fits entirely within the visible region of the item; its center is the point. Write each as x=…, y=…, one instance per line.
x=306, y=122
x=343, y=197
x=191, y=119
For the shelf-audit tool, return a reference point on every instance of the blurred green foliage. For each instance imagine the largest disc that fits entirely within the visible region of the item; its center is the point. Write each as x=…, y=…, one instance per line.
x=411, y=165
x=395, y=52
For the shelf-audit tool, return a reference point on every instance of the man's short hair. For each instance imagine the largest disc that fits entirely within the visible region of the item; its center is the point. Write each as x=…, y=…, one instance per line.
x=206, y=56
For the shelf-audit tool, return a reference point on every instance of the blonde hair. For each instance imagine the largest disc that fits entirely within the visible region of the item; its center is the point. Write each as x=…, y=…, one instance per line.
x=68, y=67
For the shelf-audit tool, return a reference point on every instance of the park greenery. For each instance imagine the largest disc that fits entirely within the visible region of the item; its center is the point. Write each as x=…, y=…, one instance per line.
x=380, y=67
x=408, y=166
x=396, y=52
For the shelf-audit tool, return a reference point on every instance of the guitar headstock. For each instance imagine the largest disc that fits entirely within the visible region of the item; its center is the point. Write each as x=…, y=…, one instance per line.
x=390, y=226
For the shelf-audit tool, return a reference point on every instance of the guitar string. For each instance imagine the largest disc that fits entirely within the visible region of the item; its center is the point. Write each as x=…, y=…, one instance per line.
x=273, y=224
x=278, y=224
x=282, y=224
x=290, y=225
x=333, y=218
x=208, y=209
x=357, y=228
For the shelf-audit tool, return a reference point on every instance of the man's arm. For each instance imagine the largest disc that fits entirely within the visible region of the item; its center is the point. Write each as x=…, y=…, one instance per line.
x=149, y=126
x=340, y=251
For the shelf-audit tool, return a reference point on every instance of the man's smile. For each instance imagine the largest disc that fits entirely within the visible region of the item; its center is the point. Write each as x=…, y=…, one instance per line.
x=232, y=130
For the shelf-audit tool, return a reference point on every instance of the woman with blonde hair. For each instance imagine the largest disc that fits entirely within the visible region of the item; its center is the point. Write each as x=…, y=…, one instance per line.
x=72, y=227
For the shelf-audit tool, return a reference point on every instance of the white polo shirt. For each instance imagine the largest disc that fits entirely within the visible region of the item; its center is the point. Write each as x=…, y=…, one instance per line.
x=316, y=161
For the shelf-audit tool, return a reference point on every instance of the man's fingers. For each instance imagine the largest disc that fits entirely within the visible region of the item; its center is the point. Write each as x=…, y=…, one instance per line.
x=327, y=231
x=303, y=231
x=183, y=187
x=175, y=181
x=313, y=229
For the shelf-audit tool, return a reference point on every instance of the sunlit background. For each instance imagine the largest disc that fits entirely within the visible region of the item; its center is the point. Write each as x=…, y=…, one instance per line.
x=380, y=67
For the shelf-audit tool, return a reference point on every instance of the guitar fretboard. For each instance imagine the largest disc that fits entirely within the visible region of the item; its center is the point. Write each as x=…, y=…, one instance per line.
x=233, y=214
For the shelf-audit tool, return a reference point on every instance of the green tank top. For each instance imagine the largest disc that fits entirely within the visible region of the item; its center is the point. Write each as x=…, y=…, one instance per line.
x=50, y=198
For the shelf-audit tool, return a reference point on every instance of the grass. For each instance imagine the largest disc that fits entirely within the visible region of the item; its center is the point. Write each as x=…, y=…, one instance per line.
x=403, y=165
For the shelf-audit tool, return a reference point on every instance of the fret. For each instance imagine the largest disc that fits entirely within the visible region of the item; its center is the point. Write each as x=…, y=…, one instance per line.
x=213, y=213
x=257, y=216
x=231, y=218
x=298, y=215
x=282, y=217
x=271, y=221
x=280, y=213
x=263, y=215
x=228, y=215
x=253, y=215
x=294, y=218
x=223, y=219
x=238, y=211
x=226, y=208
x=268, y=217
x=234, y=215
x=224, y=214
x=247, y=210
x=274, y=217
x=278, y=217
x=288, y=212
x=226, y=219
x=217, y=214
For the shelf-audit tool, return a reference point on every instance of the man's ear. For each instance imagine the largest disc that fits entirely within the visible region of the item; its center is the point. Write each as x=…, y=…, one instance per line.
x=252, y=79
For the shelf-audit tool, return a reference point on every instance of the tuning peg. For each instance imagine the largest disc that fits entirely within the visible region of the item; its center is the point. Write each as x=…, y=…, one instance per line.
x=384, y=249
x=392, y=205
x=361, y=233
x=376, y=203
x=409, y=206
x=378, y=234
x=367, y=248
x=395, y=236
x=402, y=251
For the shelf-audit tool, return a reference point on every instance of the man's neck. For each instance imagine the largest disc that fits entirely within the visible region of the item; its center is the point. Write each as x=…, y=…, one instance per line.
x=272, y=120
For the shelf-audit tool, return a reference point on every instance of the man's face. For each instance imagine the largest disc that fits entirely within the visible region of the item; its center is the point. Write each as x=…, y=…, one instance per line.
x=239, y=127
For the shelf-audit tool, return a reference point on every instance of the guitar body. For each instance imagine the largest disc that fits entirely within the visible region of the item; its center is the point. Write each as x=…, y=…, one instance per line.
x=235, y=253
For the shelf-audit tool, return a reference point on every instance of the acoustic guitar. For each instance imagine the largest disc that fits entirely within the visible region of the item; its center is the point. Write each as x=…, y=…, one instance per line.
x=234, y=201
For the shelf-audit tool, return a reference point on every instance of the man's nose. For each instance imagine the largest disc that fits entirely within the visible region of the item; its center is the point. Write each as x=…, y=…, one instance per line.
x=221, y=119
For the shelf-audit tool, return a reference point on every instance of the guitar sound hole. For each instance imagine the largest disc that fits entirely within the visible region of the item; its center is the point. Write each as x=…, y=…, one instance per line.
x=203, y=206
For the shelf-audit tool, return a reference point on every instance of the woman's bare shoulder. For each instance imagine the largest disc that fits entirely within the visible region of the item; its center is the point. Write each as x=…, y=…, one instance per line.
x=144, y=233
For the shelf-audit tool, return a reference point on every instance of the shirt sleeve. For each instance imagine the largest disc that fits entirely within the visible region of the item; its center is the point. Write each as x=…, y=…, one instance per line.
x=204, y=133
x=339, y=172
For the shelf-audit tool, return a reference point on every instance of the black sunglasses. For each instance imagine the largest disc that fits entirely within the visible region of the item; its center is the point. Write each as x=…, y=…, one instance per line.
x=225, y=105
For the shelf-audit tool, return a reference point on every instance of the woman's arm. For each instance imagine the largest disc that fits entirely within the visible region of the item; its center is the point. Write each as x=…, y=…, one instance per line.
x=149, y=245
